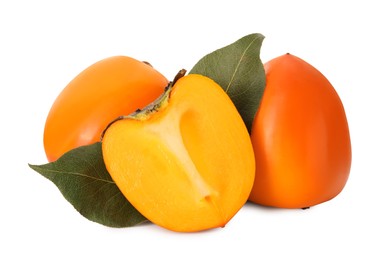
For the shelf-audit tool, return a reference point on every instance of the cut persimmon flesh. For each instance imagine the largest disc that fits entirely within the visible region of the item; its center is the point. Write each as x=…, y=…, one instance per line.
x=185, y=162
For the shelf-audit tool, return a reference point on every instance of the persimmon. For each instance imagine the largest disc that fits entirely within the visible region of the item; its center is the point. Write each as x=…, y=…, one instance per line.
x=186, y=162
x=300, y=137
x=105, y=90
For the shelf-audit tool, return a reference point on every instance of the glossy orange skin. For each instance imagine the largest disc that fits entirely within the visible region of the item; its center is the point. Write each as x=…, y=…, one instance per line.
x=300, y=137
x=109, y=88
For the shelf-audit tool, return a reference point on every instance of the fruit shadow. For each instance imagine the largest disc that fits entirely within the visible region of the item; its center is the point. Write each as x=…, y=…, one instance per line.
x=149, y=225
x=248, y=206
x=254, y=206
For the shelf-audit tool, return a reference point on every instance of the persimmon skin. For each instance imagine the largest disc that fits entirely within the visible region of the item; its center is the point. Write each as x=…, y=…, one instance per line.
x=109, y=88
x=300, y=137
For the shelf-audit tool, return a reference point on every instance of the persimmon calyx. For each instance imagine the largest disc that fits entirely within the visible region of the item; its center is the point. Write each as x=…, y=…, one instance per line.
x=145, y=113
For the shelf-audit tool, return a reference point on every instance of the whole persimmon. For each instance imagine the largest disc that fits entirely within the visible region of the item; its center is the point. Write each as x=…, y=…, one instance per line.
x=300, y=137
x=111, y=87
x=186, y=162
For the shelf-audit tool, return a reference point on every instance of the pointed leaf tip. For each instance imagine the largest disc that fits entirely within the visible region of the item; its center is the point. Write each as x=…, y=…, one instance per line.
x=83, y=180
x=238, y=69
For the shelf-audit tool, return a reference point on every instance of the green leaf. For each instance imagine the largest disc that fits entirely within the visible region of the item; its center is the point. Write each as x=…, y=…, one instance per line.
x=238, y=69
x=82, y=178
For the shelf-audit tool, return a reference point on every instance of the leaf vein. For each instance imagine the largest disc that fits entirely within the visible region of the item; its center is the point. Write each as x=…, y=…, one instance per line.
x=240, y=61
x=80, y=174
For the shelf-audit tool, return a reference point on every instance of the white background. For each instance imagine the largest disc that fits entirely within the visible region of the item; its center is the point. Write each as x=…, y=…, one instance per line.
x=44, y=44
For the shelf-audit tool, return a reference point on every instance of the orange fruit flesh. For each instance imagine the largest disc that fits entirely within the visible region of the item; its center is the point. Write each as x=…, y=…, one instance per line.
x=188, y=167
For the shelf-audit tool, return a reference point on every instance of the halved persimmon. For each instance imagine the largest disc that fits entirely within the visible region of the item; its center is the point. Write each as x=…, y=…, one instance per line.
x=186, y=162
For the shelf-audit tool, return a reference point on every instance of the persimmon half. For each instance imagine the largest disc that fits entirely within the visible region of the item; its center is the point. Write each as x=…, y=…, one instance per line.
x=186, y=162
x=300, y=137
x=105, y=90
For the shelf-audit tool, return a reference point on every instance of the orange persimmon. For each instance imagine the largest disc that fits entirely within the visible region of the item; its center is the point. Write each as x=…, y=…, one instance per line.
x=186, y=162
x=300, y=137
x=111, y=87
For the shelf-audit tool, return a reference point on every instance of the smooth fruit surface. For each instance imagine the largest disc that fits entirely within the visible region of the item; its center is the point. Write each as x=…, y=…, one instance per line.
x=300, y=137
x=188, y=166
x=111, y=87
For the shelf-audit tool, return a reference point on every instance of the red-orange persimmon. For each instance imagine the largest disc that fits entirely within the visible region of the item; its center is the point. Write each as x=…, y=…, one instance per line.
x=300, y=137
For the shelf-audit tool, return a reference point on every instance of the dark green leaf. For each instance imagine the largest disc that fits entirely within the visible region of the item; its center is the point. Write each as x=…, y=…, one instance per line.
x=238, y=69
x=83, y=180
